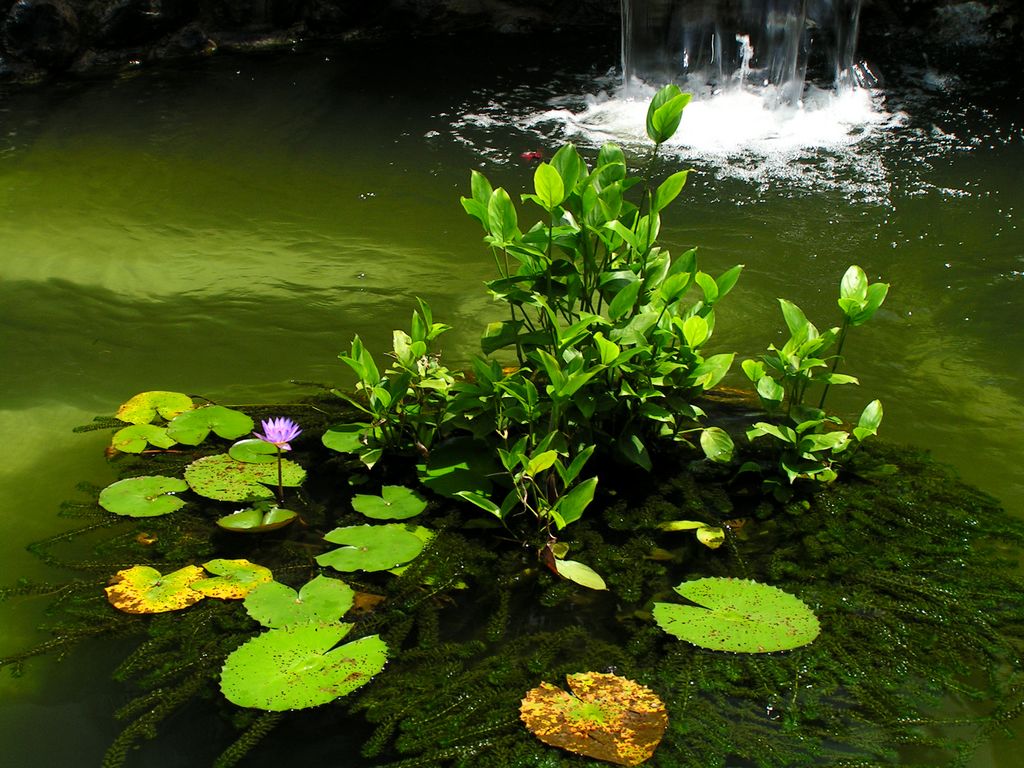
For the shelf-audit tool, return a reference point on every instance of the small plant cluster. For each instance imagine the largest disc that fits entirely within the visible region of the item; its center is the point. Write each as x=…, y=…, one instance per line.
x=604, y=350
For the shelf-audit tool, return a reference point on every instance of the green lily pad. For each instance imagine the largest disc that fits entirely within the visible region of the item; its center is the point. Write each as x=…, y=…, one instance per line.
x=738, y=615
x=192, y=427
x=135, y=438
x=222, y=478
x=395, y=502
x=371, y=547
x=295, y=667
x=234, y=579
x=253, y=451
x=141, y=589
x=277, y=605
x=144, y=407
x=261, y=517
x=147, y=496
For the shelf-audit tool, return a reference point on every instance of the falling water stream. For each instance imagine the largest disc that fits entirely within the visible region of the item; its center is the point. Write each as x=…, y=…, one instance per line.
x=226, y=227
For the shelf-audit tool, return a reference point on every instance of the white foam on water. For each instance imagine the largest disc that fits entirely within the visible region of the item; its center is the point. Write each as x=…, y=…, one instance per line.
x=747, y=133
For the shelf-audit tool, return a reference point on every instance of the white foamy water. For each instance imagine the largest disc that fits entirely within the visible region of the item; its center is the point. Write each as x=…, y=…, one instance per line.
x=746, y=133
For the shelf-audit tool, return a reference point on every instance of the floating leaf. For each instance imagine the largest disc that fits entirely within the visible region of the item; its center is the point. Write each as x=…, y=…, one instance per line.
x=253, y=451
x=192, y=427
x=711, y=536
x=261, y=517
x=394, y=503
x=222, y=478
x=738, y=615
x=146, y=496
x=582, y=574
x=295, y=668
x=276, y=605
x=144, y=407
x=142, y=589
x=371, y=547
x=606, y=717
x=346, y=438
x=135, y=438
x=234, y=579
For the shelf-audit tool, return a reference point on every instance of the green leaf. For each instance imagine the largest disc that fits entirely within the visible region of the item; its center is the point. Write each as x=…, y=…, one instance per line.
x=192, y=427
x=570, y=166
x=135, y=438
x=261, y=517
x=549, y=186
x=481, y=187
x=222, y=478
x=582, y=574
x=665, y=112
x=540, y=462
x=144, y=407
x=253, y=451
x=669, y=189
x=148, y=496
x=876, y=295
x=395, y=503
x=770, y=390
x=608, y=350
x=481, y=501
x=502, y=217
x=727, y=280
x=869, y=421
x=717, y=444
x=346, y=438
x=624, y=300
x=854, y=284
x=371, y=547
x=754, y=369
x=295, y=667
x=709, y=373
x=459, y=464
x=795, y=319
x=738, y=615
x=711, y=536
x=571, y=506
x=633, y=448
x=695, y=331
x=322, y=599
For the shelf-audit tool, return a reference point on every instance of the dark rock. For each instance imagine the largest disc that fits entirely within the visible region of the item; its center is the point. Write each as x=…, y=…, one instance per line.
x=43, y=32
x=132, y=22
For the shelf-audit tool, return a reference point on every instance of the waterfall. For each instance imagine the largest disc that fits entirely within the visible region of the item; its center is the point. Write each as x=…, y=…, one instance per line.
x=779, y=43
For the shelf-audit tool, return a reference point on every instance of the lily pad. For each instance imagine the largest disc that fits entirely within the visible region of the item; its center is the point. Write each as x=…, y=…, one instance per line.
x=222, y=478
x=606, y=717
x=192, y=427
x=142, y=589
x=738, y=615
x=253, y=451
x=234, y=579
x=395, y=502
x=145, y=406
x=146, y=496
x=295, y=667
x=261, y=517
x=135, y=438
x=371, y=547
x=276, y=605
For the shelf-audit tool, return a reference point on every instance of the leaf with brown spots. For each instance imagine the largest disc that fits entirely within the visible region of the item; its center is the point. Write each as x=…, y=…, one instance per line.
x=142, y=589
x=233, y=580
x=606, y=717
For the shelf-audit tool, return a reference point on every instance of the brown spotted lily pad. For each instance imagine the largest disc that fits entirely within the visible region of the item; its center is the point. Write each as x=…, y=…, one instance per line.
x=233, y=580
x=142, y=589
x=606, y=717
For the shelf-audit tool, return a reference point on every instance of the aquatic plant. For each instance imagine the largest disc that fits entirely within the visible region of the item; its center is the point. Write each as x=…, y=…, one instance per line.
x=279, y=433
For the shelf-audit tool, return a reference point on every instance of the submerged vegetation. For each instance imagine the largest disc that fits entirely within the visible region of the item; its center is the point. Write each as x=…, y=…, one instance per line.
x=840, y=603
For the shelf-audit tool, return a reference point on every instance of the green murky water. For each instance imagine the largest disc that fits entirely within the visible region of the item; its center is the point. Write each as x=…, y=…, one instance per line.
x=225, y=228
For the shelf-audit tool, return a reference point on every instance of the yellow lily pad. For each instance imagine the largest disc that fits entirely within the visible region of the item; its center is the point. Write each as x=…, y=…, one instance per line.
x=142, y=589
x=145, y=406
x=606, y=717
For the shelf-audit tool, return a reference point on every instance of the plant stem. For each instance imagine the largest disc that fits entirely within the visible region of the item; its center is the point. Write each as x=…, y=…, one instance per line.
x=280, y=479
x=835, y=363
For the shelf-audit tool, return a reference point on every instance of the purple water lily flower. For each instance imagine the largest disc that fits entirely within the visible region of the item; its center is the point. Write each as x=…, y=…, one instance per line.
x=279, y=432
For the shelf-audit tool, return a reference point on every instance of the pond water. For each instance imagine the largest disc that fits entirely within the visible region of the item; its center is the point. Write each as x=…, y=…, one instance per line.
x=226, y=227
